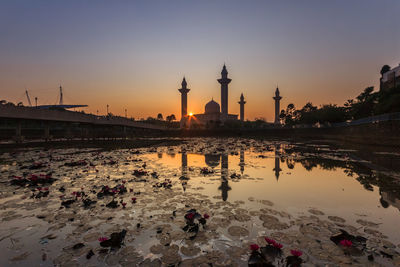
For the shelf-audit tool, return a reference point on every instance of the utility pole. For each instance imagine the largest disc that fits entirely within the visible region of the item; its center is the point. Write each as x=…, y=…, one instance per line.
x=126, y=115
x=107, y=109
x=36, y=101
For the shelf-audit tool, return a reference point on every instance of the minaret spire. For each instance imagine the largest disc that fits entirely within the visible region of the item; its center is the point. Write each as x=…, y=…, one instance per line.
x=224, y=81
x=242, y=102
x=184, y=91
x=277, y=99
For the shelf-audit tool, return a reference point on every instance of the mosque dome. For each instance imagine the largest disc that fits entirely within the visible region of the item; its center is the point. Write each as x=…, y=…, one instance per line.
x=212, y=160
x=212, y=107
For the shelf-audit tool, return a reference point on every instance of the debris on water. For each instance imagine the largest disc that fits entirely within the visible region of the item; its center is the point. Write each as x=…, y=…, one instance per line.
x=139, y=173
x=112, y=204
x=89, y=254
x=206, y=171
x=78, y=246
x=76, y=163
x=115, y=240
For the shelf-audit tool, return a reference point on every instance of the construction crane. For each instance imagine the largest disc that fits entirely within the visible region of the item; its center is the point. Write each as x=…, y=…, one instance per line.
x=27, y=96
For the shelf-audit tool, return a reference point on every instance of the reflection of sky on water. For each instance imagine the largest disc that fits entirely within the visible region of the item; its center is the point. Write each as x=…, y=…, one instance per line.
x=292, y=182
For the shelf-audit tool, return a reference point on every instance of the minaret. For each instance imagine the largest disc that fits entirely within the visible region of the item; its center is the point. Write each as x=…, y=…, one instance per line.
x=224, y=81
x=242, y=102
x=277, y=99
x=184, y=91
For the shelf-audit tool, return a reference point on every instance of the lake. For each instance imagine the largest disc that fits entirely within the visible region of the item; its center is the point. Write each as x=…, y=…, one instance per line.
x=205, y=201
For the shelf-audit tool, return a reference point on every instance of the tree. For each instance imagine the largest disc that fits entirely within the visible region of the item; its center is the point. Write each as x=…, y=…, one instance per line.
x=290, y=114
x=160, y=117
x=171, y=118
x=308, y=114
x=364, y=104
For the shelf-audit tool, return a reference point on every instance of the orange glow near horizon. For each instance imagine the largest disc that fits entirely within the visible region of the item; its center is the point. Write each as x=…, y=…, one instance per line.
x=190, y=114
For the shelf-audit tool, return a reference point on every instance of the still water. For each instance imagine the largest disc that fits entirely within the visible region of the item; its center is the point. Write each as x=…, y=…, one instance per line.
x=300, y=194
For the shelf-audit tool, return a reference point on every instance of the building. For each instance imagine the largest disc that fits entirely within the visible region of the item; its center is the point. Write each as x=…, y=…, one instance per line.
x=390, y=79
x=277, y=99
x=214, y=114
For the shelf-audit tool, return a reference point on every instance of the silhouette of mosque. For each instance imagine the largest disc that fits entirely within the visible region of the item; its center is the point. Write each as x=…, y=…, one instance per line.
x=214, y=114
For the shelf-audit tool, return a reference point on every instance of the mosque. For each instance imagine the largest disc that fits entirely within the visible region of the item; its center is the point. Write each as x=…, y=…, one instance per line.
x=214, y=114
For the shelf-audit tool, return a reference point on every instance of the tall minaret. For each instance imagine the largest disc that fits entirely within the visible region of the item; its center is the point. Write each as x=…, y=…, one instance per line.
x=224, y=81
x=184, y=90
x=242, y=102
x=277, y=99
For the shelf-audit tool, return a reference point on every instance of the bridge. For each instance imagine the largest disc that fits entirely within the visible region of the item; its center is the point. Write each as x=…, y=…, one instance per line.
x=36, y=123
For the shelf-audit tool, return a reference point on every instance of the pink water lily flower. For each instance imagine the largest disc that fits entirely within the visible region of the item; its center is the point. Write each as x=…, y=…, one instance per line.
x=206, y=216
x=270, y=241
x=123, y=204
x=277, y=245
x=189, y=216
x=101, y=239
x=296, y=253
x=254, y=247
x=346, y=243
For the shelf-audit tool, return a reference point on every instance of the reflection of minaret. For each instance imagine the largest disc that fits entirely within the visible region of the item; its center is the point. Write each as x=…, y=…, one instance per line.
x=184, y=163
x=184, y=91
x=224, y=177
x=277, y=99
x=242, y=102
x=224, y=81
x=184, y=169
x=277, y=168
x=241, y=163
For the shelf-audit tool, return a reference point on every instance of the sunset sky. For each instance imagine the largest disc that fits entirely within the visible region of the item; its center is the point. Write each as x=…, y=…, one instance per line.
x=133, y=54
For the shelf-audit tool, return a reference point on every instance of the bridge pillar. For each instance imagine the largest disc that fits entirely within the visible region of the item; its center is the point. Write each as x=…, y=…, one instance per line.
x=47, y=131
x=124, y=132
x=18, y=136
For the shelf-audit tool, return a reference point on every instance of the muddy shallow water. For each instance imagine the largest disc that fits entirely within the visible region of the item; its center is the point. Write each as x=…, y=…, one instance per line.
x=300, y=194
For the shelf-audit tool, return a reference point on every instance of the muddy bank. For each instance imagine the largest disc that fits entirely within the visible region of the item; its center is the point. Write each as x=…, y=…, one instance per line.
x=374, y=134
x=104, y=144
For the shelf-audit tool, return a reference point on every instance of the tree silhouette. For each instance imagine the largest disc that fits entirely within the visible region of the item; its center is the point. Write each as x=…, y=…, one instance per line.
x=160, y=117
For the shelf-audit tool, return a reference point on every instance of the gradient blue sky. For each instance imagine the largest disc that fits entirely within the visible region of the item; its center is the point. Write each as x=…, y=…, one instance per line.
x=133, y=54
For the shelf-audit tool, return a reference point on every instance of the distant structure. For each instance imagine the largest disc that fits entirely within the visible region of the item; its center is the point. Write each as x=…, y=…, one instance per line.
x=184, y=91
x=61, y=104
x=277, y=99
x=224, y=81
x=390, y=79
x=213, y=113
x=241, y=103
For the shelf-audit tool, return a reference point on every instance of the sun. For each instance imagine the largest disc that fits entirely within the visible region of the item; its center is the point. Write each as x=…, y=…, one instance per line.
x=190, y=114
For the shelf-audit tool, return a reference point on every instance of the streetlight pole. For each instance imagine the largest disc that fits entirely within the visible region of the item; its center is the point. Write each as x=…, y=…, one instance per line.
x=126, y=115
x=107, y=109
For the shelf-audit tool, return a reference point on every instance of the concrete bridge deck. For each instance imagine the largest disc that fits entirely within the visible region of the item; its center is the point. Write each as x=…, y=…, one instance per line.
x=28, y=113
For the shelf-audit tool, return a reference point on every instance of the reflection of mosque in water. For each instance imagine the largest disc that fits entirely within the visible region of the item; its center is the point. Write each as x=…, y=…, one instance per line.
x=388, y=189
x=214, y=160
